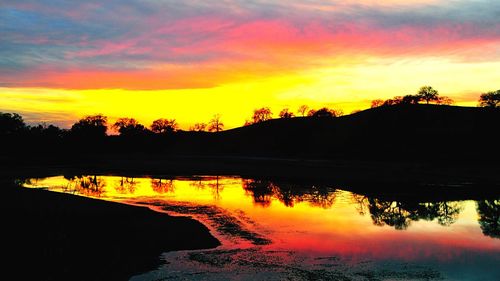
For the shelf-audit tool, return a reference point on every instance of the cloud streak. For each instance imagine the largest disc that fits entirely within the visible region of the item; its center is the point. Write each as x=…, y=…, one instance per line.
x=201, y=44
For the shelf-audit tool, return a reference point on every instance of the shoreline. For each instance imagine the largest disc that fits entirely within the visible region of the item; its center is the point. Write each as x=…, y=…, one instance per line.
x=56, y=236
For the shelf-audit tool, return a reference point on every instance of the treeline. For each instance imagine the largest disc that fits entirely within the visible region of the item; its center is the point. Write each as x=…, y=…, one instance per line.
x=97, y=126
x=429, y=95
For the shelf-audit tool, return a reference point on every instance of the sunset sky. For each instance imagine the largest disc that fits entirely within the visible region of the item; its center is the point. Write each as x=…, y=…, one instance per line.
x=190, y=59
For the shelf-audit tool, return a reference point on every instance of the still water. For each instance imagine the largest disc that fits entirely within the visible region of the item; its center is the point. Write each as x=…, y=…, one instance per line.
x=283, y=231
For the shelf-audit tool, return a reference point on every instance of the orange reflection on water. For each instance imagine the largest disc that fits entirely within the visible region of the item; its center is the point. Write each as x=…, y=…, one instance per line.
x=312, y=220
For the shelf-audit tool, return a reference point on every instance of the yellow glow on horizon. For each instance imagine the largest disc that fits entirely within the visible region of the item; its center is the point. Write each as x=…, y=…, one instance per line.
x=346, y=87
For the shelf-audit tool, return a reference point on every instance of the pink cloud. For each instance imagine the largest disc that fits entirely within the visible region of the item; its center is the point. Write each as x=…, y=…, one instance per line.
x=216, y=43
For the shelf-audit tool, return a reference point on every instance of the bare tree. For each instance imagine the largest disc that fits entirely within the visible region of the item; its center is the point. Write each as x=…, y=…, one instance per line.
x=445, y=101
x=411, y=99
x=377, y=103
x=198, y=127
x=262, y=114
x=303, y=109
x=215, y=125
x=285, y=113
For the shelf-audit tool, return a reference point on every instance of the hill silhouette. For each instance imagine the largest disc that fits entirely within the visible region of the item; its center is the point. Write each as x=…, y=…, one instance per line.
x=418, y=132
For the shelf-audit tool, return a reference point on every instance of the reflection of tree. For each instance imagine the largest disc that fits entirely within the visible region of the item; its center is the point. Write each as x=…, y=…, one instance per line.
x=489, y=217
x=400, y=214
x=389, y=213
x=445, y=212
x=361, y=202
x=287, y=197
x=261, y=191
x=320, y=197
x=199, y=184
x=213, y=183
x=162, y=185
x=216, y=188
x=89, y=185
x=126, y=185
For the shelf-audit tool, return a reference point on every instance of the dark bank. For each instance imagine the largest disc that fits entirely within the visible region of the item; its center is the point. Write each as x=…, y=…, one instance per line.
x=53, y=236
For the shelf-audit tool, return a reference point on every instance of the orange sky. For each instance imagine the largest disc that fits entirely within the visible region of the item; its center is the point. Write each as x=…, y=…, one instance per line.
x=189, y=61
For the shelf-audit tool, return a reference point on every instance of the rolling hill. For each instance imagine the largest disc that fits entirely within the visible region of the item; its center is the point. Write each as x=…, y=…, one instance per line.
x=423, y=132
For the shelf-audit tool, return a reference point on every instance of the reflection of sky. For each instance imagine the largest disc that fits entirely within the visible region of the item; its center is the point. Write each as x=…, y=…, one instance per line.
x=313, y=230
x=160, y=56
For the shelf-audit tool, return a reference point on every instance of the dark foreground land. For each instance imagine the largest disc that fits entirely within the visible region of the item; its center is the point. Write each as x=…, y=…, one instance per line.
x=52, y=236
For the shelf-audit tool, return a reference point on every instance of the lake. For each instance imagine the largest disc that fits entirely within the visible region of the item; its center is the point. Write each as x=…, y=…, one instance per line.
x=289, y=231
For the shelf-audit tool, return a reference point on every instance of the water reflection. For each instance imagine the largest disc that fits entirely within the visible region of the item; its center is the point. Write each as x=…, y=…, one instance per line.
x=125, y=185
x=92, y=186
x=162, y=185
x=459, y=239
x=392, y=213
x=400, y=214
x=263, y=192
x=489, y=217
x=396, y=214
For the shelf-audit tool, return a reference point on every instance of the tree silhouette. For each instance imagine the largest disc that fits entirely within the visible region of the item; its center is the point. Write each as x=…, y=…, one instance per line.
x=164, y=126
x=394, y=101
x=128, y=127
x=261, y=115
x=445, y=101
x=411, y=99
x=428, y=94
x=489, y=217
x=215, y=125
x=311, y=112
x=490, y=99
x=302, y=110
x=377, y=103
x=44, y=130
x=325, y=112
x=248, y=123
x=11, y=123
x=285, y=113
x=94, y=126
x=198, y=127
